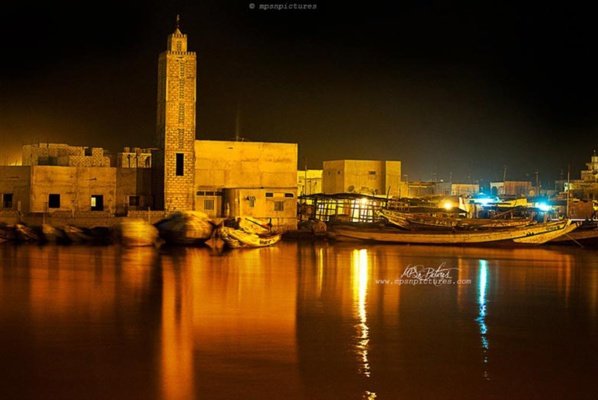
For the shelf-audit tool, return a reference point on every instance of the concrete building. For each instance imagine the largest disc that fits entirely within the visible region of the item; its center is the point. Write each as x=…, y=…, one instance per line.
x=64, y=155
x=362, y=176
x=134, y=158
x=511, y=188
x=255, y=179
x=309, y=182
x=222, y=178
x=457, y=189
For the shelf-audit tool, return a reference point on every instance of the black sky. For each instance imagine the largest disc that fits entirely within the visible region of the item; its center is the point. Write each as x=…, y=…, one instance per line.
x=445, y=87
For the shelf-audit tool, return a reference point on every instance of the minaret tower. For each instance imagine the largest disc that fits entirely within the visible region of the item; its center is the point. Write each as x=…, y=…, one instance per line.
x=175, y=159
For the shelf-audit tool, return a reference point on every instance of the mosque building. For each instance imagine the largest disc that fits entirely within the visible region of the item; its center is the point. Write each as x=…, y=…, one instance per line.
x=220, y=178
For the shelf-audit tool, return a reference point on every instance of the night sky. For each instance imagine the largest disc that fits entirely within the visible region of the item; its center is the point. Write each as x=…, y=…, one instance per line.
x=449, y=88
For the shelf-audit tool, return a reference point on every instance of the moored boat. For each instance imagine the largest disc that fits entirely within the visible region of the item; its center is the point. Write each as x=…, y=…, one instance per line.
x=135, y=232
x=188, y=228
x=7, y=233
x=247, y=232
x=528, y=235
x=53, y=234
x=238, y=238
x=77, y=235
x=423, y=221
x=24, y=233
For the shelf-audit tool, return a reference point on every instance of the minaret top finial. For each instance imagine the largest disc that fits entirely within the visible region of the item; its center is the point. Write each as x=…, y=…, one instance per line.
x=178, y=21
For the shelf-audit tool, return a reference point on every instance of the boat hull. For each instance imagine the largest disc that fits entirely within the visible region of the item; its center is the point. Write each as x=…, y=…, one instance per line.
x=237, y=239
x=529, y=235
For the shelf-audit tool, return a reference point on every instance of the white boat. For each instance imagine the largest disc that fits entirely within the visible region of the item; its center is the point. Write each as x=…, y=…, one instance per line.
x=238, y=238
x=530, y=235
x=135, y=232
x=186, y=228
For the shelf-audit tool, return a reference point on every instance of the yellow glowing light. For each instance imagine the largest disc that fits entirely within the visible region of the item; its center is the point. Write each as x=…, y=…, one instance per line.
x=447, y=205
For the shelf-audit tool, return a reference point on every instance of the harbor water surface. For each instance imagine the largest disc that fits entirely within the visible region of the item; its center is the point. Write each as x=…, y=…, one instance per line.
x=298, y=321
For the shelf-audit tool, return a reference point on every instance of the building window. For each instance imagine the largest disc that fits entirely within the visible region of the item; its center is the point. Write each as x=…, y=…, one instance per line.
x=289, y=195
x=269, y=194
x=134, y=201
x=97, y=202
x=279, y=206
x=54, y=201
x=7, y=200
x=88, y=151
x=208, y=204
x=180, y=164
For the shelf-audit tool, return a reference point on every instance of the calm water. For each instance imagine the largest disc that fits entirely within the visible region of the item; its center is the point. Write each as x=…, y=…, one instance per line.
x=297, y=321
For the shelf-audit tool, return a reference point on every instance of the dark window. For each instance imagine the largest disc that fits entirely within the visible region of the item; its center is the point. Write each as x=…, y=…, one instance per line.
x=87, y=151
x=279, y=206
x=97, y=202
x=7, y=200
x=208, y=204
x=134, y=201
x=269, y=194
x=180, y=164
x=289, y=195
x=54, y=201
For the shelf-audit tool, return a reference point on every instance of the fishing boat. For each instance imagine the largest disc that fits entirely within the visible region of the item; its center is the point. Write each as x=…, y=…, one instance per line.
x=77, y=235
x=7, y=233
x=135, y=232
x=53, y=234
x=423, y=221
x=24, y=233
x=238, y=238
x=528, y=235
x=187, y=228
x=247, y=232
x=585, y=235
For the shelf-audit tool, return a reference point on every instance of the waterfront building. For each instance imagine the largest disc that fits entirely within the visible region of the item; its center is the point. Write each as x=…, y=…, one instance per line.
x=511, y=188
x=457, y=189
x=255, y=179
x=221, y=178
x=309, y=181
x=362, y=176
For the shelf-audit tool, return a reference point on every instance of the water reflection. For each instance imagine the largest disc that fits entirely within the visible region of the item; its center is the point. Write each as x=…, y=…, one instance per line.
x=482, y=285
x=296, y=322
x=359, y=265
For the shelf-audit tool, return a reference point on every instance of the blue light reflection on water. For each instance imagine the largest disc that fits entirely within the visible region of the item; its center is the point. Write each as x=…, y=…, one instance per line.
x=481, y=319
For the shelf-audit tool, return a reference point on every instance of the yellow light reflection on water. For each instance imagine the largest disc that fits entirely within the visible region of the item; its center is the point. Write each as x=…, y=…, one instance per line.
x=359, y=261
